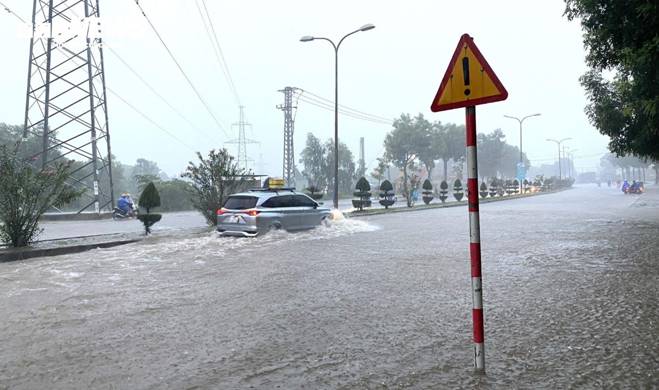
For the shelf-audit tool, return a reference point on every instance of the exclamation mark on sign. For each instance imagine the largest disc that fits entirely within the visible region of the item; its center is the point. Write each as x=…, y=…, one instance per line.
x=465, y=74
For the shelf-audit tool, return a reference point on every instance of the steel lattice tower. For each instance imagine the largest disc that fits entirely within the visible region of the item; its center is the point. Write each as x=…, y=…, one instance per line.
x=241, y=159
x=288, y=171
x=66, y=96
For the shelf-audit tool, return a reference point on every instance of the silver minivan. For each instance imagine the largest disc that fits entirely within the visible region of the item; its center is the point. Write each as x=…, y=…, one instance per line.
x=255, y=212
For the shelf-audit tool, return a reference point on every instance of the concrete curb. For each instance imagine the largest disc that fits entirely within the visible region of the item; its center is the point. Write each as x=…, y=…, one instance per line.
x=379, y=211
x=8, y=255
x=53, y=217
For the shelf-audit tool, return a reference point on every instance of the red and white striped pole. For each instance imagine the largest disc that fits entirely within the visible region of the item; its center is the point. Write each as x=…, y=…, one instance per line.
x=475, y=241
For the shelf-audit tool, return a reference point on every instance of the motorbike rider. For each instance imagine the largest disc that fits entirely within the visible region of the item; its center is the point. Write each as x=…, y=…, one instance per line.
x=625, y=186
x=125, y=204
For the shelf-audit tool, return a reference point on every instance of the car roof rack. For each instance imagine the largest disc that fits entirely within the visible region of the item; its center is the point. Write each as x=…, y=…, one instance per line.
x=262, y=189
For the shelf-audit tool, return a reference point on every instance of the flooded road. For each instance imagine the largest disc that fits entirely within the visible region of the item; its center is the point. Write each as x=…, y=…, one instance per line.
x=570, y=301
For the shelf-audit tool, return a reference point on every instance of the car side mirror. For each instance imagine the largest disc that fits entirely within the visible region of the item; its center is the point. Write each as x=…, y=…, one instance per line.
x=315, y=205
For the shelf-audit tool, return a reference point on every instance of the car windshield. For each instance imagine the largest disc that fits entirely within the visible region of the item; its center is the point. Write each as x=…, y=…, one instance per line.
x=240, y=202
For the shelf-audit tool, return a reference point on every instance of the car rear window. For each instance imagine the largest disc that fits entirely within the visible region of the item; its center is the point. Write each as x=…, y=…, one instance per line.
x=240, y=202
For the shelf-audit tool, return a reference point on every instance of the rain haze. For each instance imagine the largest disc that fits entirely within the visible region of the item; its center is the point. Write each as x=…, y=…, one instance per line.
x=425, y=250
x=395, y=68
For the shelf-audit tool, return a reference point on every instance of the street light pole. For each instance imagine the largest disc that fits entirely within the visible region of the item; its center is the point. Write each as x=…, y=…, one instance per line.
x=570, y=160
x=336, y=47
x=521, y=155
x=558, y=144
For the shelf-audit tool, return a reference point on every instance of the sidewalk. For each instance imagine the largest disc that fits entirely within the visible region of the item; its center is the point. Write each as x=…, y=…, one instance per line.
x=64, y=237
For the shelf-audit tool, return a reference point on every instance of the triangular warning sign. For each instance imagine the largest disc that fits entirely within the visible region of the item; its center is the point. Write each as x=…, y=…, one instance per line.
x=468, y=81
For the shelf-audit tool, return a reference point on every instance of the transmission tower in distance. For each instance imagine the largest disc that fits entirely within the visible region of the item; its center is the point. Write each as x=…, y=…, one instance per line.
x=288, y=171
x=242, y=160
x=66, y=97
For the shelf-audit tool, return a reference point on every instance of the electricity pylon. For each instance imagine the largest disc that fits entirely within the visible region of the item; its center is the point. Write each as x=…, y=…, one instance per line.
x=242, y=160
x=288, y=171
x=66, y=96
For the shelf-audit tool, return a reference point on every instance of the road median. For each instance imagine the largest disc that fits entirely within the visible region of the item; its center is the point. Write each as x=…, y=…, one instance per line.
x=378, y=211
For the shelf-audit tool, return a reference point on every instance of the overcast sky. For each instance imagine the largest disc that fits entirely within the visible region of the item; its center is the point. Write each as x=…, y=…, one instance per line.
x=396, y=68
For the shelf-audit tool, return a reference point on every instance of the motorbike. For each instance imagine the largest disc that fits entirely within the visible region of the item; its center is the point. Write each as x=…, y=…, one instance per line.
x=119, y=214
x=636, y=188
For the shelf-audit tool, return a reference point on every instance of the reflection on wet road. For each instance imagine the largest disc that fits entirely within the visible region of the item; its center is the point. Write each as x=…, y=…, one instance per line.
x=379, y=302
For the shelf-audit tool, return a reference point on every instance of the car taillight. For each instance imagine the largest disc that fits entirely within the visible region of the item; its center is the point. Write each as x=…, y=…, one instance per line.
x=221, y=211
x=252, y=213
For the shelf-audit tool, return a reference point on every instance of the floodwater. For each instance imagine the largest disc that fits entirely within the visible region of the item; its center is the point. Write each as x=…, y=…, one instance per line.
x=570, y=301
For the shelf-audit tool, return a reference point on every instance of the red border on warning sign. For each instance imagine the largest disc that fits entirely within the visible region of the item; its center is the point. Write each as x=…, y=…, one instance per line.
x=469, y=41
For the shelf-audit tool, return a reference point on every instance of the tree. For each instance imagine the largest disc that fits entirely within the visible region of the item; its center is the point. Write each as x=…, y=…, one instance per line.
x=429, y=143
x=149, y=199
x=145, y=167
x=452, y=144
x=314, y=160
x=496, y=157
x=27, y=193
x=379, y=171
x=402, y=146
x=346, y=166
x=213, y=180
x=175, y=195
x=621, y=37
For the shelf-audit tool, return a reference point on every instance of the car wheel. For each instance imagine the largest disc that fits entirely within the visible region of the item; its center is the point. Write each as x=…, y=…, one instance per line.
x=325, y=222
x=274, y=226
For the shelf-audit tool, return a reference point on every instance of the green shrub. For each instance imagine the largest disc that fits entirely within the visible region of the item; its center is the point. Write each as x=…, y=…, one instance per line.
x=150, y=198
x=363, y=192
x=458, y=191
x=26, y=193
x=386, y=194
x=386, y=186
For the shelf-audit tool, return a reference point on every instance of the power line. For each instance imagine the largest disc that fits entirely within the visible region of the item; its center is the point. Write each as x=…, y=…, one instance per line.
x=12, y=12
x=346, y=108
x=153, y=122
x=573, y=157
x=171, y=107
x=217, y=48
x=330, y=107
x=119, y=96
x=180, y=68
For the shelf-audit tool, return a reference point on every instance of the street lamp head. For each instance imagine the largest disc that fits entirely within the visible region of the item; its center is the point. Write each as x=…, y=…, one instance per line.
x=538, y=114
x=307, y=38
x=367, y=27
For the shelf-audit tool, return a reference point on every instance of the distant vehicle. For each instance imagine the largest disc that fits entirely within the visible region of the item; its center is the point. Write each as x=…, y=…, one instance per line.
x=637, y=187
x=119, y=214
x=252, y=213
x=125, y=209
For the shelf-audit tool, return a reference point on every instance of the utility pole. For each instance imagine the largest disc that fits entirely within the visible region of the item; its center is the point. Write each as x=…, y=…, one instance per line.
x=65, y=102
x=241, y=159
x=288, y=168
x=558, y=144
x=362, y=161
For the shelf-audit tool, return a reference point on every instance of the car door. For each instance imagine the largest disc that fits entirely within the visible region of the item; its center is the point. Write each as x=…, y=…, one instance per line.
x=307, y=214
x=290, y=212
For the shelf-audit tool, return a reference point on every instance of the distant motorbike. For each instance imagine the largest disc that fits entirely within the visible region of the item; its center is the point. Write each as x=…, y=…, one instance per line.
x=636, y=188
x=119, y=214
